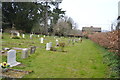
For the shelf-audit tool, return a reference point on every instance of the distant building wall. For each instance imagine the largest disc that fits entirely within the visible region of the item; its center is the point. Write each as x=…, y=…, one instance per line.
x=119, y=8
x=118, y=22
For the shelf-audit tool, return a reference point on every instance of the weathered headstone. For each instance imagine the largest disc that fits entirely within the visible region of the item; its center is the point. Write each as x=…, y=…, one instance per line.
x=23, y=35
x=44, y=36
x=48, y=46
x=24, y=53
x=41, y=40
x=18, y=34
x=57, y=42
x=69, y=41
x=38, y=35
x=80, y=39
x=32, y=49
x=31, y=36
x=73, y=41
x=11, y=58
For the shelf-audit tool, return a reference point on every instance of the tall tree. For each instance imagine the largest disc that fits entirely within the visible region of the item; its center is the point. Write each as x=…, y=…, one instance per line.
x=21, y=14
x=24, y=15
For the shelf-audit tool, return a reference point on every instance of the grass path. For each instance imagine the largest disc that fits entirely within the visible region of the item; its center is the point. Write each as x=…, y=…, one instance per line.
x=82, y=60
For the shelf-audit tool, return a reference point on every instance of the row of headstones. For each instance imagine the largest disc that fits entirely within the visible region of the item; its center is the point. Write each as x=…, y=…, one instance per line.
x=25, y=52
x=49, y=45
x=31, y=35
x=11, y=55
x=75, y=40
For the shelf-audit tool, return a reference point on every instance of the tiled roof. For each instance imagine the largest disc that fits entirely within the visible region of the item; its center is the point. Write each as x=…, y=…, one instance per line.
x=93, y=29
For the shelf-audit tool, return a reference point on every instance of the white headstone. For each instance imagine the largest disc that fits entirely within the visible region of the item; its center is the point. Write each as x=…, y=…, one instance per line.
x=48, y=46
x=11, y=58
x=31, y=36
x=44, y=36
x=18, y=34
x=56, y=40
x=24, y=53
x=41, y=40
x=80, y=38
x=23, y=35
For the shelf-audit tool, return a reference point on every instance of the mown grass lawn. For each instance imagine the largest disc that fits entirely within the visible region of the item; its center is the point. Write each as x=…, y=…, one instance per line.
x=82, y=60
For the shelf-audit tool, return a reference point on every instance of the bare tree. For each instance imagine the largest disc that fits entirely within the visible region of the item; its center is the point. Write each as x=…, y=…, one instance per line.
x=62, y=28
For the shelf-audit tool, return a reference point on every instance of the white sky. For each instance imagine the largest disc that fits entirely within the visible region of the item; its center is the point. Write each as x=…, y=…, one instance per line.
x=97, y=13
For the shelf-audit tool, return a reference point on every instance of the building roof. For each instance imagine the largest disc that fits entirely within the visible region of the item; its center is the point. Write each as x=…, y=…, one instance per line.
x=93, y=29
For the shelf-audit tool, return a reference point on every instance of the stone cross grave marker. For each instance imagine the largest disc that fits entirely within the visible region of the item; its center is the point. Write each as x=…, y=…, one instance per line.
x=32, y=49
x=11, y=58
x=24, y=53
x=41, y=39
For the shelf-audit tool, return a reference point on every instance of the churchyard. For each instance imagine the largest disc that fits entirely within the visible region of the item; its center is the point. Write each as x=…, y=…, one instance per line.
x=75, y=59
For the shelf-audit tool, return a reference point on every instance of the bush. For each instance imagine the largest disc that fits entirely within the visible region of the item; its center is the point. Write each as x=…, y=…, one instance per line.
x=113, y=62
x=109, y=40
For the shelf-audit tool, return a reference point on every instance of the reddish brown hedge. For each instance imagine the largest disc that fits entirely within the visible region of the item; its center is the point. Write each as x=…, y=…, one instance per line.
x=110, y=40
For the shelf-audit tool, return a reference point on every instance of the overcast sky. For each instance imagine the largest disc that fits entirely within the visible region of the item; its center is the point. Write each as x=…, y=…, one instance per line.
x=97, y=13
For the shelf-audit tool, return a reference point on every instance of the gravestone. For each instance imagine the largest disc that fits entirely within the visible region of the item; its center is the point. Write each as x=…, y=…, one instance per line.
x=57, y=42
x=24, y=53
x=76, y=40
x=18, y=34
x=32, y=49
x=41, y=40
x=11, y=58
x=30, y=36
x=38, y=35
x=50, y=43
x=48, y=46
x=73, y=41
x=23, y=35
x=69, y=40
x=44, y=36
x=80, y=39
